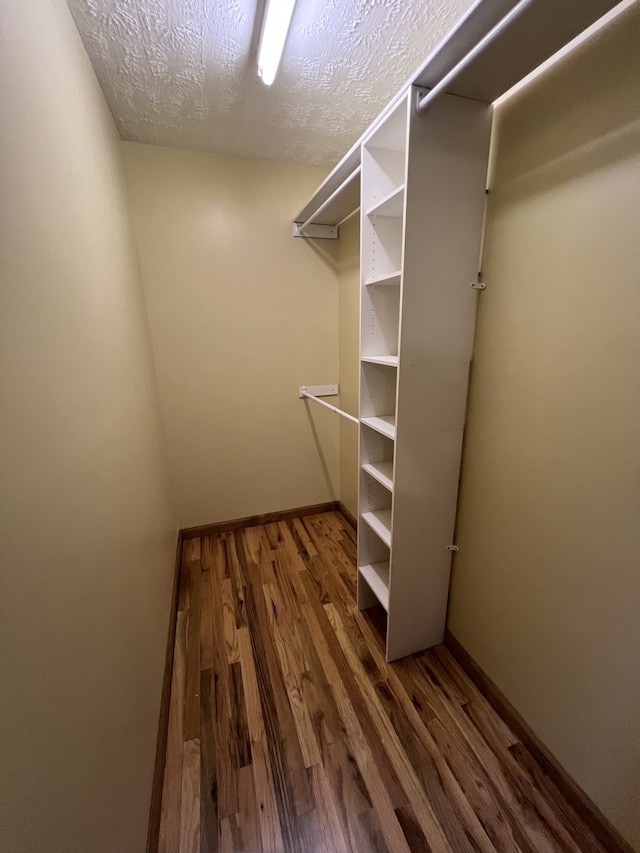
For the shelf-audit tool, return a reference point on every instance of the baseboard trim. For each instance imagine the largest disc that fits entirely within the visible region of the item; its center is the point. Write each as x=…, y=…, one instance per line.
x=153, y=833
x=590, y=814
x=347, y=514
x=255, y=520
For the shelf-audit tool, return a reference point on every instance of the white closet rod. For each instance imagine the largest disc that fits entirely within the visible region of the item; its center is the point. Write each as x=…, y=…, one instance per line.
x=334, y=195
x=508, y=19
x=305, y=393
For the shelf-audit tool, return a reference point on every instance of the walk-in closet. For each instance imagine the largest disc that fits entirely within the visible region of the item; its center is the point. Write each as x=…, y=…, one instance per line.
x=319, y=517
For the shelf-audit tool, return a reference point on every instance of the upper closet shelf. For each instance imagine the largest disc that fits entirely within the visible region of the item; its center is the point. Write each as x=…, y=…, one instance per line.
x=391, y=205
x=495, y=45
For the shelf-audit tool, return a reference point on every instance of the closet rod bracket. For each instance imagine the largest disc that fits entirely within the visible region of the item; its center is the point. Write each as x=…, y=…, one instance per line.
x=318, y=390
x=322, y=232
x=452, y=548
x=306, y=392
x=479, y=285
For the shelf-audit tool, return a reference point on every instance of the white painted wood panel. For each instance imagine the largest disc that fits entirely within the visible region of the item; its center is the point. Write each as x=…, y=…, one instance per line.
x=416, y=345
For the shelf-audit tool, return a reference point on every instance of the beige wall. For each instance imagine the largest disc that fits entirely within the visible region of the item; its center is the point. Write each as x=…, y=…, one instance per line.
x=241, y=315
x=349, y=343
x=87, y=536
x=546, y=586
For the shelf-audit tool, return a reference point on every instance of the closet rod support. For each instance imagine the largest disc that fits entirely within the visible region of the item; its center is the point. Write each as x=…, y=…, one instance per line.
x=322, y=232
x=479, y=285
x=303, y=393
x=441, y=86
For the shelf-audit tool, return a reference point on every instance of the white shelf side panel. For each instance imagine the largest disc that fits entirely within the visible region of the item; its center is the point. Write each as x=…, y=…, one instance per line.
x=446, y=180
x=447, y=173
x=432, y=395
x=424, y=511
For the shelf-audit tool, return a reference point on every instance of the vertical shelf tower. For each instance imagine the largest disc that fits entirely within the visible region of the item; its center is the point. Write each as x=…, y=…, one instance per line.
x=422, y=203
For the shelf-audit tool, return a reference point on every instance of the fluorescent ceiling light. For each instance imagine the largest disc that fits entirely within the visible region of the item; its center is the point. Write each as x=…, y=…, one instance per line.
x=277, y=18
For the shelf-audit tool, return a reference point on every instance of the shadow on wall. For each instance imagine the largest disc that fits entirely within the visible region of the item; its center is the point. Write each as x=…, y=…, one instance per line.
x=617, y=145
x=332, y=487
x=327, y=250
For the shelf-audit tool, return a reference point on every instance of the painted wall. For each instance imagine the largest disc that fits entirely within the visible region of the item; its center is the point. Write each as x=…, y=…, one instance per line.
x=87, y=535
x=349, y=325
x=546, y=586
x=241, y=315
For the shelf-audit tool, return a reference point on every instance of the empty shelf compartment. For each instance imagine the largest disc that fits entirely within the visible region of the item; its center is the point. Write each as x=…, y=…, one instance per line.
x=377, y=578
x=385, y=425
x=380, y=471
x=379, y=520
x=391, y=205
x=390, y=279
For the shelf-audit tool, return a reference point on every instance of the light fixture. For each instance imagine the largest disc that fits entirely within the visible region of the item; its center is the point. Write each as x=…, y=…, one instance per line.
x=275, y=27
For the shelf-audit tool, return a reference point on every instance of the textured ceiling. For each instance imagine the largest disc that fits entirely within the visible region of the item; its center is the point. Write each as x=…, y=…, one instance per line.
x=182, y=73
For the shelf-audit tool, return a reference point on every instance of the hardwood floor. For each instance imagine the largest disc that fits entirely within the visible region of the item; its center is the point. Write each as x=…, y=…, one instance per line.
x=288, y=731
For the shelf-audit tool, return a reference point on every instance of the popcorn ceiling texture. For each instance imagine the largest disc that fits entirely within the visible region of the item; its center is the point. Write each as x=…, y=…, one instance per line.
x=182, y=73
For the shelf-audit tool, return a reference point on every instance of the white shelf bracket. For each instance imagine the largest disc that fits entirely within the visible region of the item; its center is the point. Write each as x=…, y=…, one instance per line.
x=419, y=92
x=452, y=548
x=318, y=390
x=322, y=232
x=479, y=285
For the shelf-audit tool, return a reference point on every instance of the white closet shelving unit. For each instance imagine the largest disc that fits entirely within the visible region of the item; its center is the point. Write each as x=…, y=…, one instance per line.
x=422, y=191
x=422, y=203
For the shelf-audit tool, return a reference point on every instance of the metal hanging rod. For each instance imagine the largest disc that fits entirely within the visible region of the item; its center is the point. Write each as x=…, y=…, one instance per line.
x=484, y=42
x=349, y=190
x=304, y=393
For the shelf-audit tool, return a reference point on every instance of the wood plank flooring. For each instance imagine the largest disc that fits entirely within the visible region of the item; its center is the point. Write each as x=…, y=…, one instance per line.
x=288, y=731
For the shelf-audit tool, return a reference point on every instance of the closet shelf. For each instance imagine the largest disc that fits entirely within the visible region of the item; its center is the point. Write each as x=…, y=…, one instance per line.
x=390, y=279
x=380, y=471
x=377, y=577
x=387, y=360
x=385, y=425
x=391, y=205
x=379, y=521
